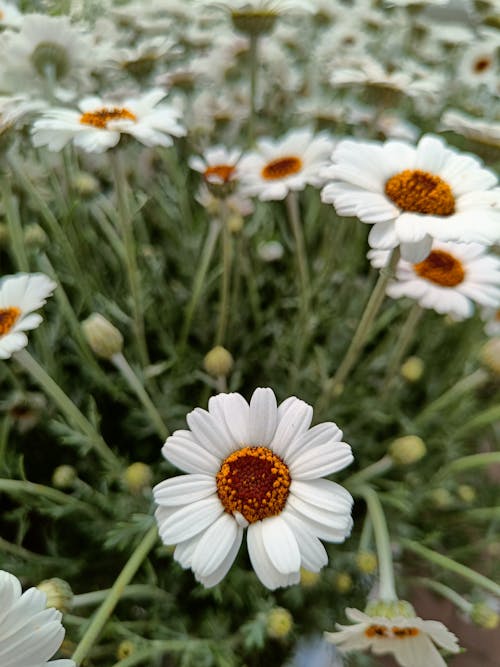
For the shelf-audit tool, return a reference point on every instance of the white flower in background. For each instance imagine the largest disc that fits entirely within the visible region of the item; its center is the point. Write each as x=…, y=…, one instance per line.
x=479, y=129
x=275, y=7
x=479, y=63
x=30, y=634
x=394, y=628
x=10, y=16
x=217, y=165
x=20, y=295
x=100, y=124
x=290, y=163
x=491, y=317
x=450, y=280
x=414, y=194
x=260, y=467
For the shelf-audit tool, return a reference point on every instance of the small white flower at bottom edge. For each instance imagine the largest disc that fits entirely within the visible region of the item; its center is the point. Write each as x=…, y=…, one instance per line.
x=257, y=466
x=30, y=634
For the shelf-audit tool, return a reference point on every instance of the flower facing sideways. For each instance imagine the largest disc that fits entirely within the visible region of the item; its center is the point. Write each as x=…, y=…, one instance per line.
x=257, y=466
x=30, y=634
x=20, y=295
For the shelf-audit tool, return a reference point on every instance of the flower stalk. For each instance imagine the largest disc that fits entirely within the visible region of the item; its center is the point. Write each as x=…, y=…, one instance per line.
x=404, y=340
x=225, y=287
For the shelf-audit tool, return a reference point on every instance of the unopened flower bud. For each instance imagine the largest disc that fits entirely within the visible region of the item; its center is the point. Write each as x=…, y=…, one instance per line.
x=279, y=623
x=270, y=251
x=125, y=649
x=343, y=582
x=442, y=498
x=103, y=338
x=218, y=362
x=235, y=223
x=64, y=477
x=412, y=369
x=85, y=184
x=35, y=236
x=407, y=450
x=490, y=355
x=366, y=562
x=467, y=493
x=253, y=22
x=58, y=592
x=484, y=616
x=137, y=477
x=309, y=579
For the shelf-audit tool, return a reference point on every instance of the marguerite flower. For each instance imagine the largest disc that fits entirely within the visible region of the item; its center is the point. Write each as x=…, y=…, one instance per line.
x=10, y=16
x=217, y=164
x=413, y=195
x=20, y=295
x=290, y=163
x=394, y=628
x=99, y=125
x=450, y=280
x=260, y=467
x=30, y=634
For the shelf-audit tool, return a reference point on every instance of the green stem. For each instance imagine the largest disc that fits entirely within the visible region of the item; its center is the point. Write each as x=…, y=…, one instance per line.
x=126, y=224
x=445, y=591
x=254, y=66
x=135, y=384
x=16, y=486
x=365, y=539
x=292, y=207
x=225, y=288
x=157, y=649
x=470, y=462
x=14, y=226
x=406, y=336
x=365, y=324
x=137, y=591
x=484, y=418
x=382, y=541
x=483, y=513
x=113, y=597
x=453, y=566
x=67, y=407
x=374, y=470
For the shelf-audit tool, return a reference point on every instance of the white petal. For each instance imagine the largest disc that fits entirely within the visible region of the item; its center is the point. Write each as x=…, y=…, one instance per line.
x=324, y=494
x=321, y=460
x=263, y=417
x=294, y=419
x=184, y=489
x=215, y=544
x=416, y=252
x=281, y=545
x=236, y=413
x=312, y=553
x=183, y=451
x=190, y=520
x=261, y=562
x=223, y=568
x=210, y=433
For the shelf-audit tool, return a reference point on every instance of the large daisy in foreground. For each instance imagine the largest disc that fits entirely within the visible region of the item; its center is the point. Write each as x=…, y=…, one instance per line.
x=30, y=634
x=20, y=295
x=257, y=466
x=414, y=194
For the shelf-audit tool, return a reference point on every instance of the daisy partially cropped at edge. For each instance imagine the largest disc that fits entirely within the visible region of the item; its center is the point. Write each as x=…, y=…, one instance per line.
x=414, y=194
x=450, y=280
x=290, y=163
x=99, y=124
x=217, y=164
x=257, y=466
x=30, y=634
x=20, y=295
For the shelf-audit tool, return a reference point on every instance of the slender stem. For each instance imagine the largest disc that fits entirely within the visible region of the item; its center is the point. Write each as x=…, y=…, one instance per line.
x=135, y=384
x=376, y=469
x=484, y=418
x=156, y=649
x=453, y=566
x=365, y=324
x=107, y=607
x=406, y=336
x=16, y=486
x=483, y=513
x=125, y=221
x=470, y=462
x=14, y=226
x=292, y=207
x=382, y=541
x=366, y=535
x=136, y=591
x=67, y=407
x=225, y=288
x=447, y=592
x=254, y=66
x=199, y=279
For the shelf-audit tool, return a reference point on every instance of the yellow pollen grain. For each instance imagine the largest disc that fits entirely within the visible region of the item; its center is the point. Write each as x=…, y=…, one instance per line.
x=8, y=317
x=222, y=172
x=102, y=117
x=404, y=633
x=254, y=482
x=377, y=631
x=441, y=268
x=281, y=168
x=418, y=191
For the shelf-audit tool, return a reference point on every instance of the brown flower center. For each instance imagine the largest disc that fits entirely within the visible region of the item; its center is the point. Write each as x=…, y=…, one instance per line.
x=420, y=192
x=377, y=631
x=219, y=172
x=102, y=117
x=391, y=633
x=281, y=168
x=441, y=268
x=404, y=633
x=481, y=65
x=8, y=317
x=254, y=482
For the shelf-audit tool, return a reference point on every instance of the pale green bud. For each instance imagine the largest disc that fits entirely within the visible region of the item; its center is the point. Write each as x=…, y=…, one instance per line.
x=407, y=450
x=64, y=477
x=103, y=337
x=391, y=609
x=137, y=477
x=343, y=582
x=484, y=616
x=58, y=592
x=412, y=369
x=367, y=562
x=218, y=362
x=279, y=623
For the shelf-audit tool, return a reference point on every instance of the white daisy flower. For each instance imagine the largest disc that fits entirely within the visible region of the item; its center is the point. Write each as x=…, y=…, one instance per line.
x=99, y=125
x=450, y=280
x=484, y=131
x=260, y=467
x=217, y=165
x=30, y=634
x=413, y=195
x=290, y=163
x=410, y=639
x=479, y=63
x=20, y=295
x=491, y=317
x=10, y=16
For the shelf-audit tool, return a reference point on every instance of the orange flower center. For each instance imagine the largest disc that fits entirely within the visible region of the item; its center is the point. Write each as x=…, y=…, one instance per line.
x=254, y=482
x=420, y=192
x=497, y=316
x=219, y=172
x=391, y=633
x=8, y=317
x=377, y=631
x=403, y=633
x=281, y=168
x=441, y=268
x=102, y=117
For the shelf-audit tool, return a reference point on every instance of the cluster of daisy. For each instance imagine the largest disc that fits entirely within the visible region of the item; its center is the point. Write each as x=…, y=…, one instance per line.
x=124, y=128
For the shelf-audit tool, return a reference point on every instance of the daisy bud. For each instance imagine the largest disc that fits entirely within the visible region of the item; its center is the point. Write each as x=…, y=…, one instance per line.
x=484, y=616
x=58, y=592
x=253, y=22
x=235, y=223
x=35, y=236
x=412, y=369
x=52, y=57
x=279, y=623
x=218, y=362
x=343, y=582
x=490, y=355
x=104, y=339
x=137, y=477
x=125, y=649
x=64, y=477
x=366, y=562
x=407, y=450
x=309, y=579
x=85, y=184
x=442, y=498
x=467, y=493
x=391, y=609
x=271, y=251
